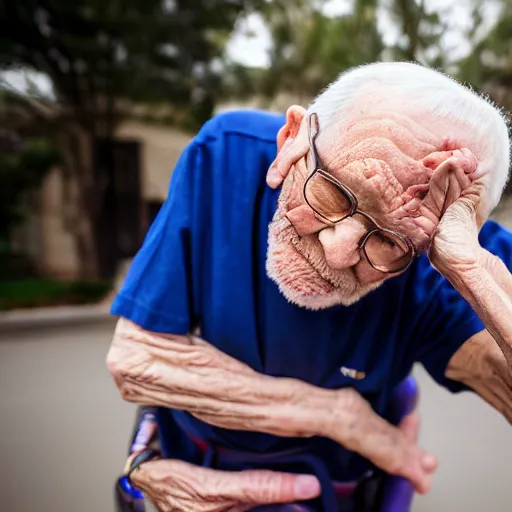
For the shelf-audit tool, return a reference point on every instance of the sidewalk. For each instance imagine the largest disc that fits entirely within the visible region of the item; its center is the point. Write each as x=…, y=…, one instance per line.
x=54, y=316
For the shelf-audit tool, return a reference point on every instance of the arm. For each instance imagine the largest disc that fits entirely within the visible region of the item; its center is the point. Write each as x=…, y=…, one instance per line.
x=481, y=365
x=479, y=276
x=187, y=373
x=487, y=286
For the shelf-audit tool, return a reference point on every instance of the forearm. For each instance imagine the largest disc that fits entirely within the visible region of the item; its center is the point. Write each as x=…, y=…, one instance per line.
x=186, y=373
x=189, y=374
x=487, y=286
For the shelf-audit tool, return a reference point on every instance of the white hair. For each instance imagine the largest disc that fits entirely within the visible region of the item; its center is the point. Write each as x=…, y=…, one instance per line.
x=479, y=125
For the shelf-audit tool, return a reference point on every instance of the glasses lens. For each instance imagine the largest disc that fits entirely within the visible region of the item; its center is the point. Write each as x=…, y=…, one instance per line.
x=387, y=252
x=326, y=198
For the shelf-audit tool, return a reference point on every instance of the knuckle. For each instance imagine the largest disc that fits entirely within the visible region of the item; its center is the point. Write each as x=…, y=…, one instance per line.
x=269, y=487
x=396, y=466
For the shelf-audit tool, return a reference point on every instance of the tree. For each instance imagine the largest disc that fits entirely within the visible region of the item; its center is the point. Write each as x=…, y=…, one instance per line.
x=488, y=67
x=23, y=164
x=103, y=57
x=421, y=31
x=310, y=49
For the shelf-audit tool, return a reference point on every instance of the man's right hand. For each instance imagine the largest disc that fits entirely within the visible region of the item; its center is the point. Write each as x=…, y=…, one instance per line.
x=176, y=486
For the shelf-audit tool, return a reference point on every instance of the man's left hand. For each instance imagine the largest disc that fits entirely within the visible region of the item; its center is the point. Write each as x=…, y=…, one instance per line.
x=455, y=247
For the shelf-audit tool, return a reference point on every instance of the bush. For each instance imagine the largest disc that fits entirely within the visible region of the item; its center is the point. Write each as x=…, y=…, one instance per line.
x=15, y=267
x=33, y=293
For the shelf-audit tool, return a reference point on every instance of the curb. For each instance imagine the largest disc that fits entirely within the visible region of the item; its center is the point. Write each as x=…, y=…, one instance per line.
x=54, y=317
x=60, y=316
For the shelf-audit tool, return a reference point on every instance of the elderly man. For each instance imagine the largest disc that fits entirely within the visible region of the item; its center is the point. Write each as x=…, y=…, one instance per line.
x=272, y=322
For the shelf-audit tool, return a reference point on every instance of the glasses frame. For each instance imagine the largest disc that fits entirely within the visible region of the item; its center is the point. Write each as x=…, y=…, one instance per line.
x=319, y=168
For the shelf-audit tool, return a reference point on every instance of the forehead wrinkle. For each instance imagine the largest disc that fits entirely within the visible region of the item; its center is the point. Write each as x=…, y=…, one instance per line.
x=406, y=139
x=405, y=169
x=407, y=122
x=379, y=175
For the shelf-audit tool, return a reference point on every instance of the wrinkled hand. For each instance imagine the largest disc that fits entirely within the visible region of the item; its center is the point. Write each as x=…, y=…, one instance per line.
x=393, y=449
x=176, y=486
x=455, y=244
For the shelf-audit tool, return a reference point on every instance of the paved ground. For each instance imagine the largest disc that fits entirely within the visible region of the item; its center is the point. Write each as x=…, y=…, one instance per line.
x=64, y=431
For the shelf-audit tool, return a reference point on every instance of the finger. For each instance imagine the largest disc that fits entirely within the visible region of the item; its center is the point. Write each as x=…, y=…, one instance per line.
x=386, y=446
x=235, y=487
x=264, y=487
x=410, y=426
x=450, y=179
x=276, y=175
x=178, y=485
x=291, y=152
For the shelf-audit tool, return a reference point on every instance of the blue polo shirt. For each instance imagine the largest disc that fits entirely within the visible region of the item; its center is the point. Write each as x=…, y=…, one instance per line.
x=203, y=264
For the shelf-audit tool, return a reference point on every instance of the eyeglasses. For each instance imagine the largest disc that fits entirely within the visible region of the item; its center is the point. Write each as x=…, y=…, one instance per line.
x=386, y=250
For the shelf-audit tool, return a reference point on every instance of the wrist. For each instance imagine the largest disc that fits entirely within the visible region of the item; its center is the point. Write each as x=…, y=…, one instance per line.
x=345, y=405
x=462, y=270
x=469, y=279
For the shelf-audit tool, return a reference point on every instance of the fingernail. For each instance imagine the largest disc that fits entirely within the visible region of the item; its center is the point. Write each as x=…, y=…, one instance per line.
x=306, y=487
x=273, y=179
x=429, y=461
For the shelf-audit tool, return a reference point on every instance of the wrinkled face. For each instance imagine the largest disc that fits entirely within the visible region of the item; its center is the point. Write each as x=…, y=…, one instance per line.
x=397, y=170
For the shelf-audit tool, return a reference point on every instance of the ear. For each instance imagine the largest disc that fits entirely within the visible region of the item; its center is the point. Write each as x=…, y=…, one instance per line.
x=292, y=145
x=454, y=173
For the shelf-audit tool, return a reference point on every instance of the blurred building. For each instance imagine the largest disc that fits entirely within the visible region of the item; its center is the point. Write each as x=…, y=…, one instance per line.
x=145, y=155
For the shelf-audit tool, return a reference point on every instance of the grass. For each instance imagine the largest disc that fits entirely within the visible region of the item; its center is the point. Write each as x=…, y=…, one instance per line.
x=34, y=293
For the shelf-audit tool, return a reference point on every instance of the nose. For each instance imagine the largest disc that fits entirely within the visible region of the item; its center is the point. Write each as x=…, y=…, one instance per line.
x=341, y=243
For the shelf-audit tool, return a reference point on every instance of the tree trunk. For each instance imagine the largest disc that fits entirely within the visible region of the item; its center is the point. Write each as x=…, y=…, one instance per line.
x=83, y=191
x=86, y=249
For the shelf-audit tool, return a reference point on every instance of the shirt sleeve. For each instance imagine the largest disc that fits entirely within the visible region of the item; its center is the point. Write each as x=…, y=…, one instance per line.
x=447, y=322
x=157, y=292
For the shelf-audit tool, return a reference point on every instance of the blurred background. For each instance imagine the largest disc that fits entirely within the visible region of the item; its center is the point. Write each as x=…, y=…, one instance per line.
x=97, y=100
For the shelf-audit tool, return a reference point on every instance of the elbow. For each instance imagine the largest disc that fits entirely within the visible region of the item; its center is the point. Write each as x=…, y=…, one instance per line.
x=125, y=362
x=124, y=379
x=117, y=369
x=113, y=361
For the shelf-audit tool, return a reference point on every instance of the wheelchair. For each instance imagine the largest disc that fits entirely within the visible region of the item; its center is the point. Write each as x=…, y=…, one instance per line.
x=396, y=494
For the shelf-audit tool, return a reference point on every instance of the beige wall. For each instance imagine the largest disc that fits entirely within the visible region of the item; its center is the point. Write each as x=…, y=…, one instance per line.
x=160, y=150
x=58, y=255
x=279, y=103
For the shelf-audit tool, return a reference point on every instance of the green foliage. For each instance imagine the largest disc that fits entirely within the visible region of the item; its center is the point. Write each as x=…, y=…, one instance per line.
x=23, y=165
x=97, y=52
x=15, y=266
x=32, y=293
x=310, y=49
x=421, y=32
